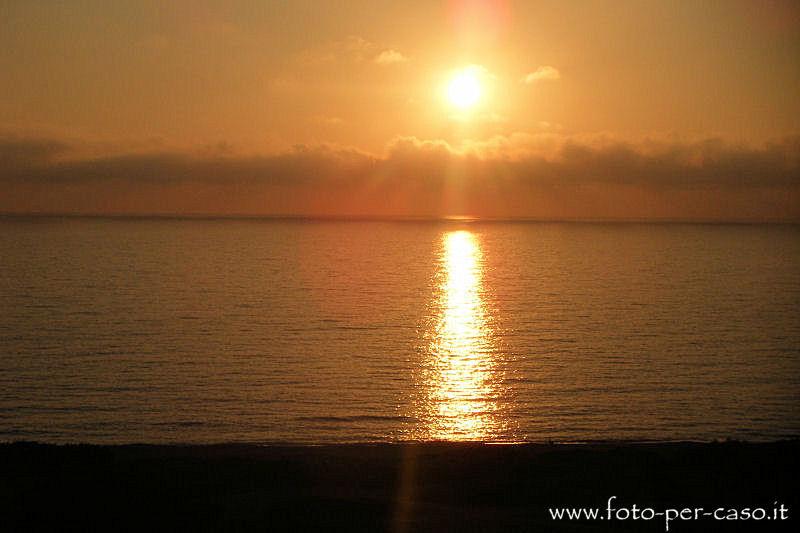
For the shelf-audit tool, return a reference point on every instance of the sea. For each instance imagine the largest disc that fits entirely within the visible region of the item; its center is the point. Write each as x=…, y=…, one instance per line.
x=324, y=331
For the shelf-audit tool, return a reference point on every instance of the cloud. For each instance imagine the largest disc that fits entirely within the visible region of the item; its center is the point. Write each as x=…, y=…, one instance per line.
x=390, y=57
x=352, y=48
x=20, y=154
x=543, y=175
x=328, y=120
x=543, y=125
x=355, y=46
x=543, y=73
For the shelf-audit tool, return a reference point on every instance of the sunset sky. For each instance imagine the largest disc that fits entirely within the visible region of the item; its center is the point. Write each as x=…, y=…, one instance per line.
x=611, y=110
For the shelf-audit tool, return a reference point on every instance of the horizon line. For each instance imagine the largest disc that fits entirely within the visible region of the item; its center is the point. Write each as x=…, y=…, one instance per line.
x=394, y=218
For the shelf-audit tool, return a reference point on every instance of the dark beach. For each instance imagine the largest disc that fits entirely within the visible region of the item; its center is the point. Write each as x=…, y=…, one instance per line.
x=392, y=487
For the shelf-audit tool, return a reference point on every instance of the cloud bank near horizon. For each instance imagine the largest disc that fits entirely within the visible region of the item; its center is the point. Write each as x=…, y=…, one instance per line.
x=521, y=175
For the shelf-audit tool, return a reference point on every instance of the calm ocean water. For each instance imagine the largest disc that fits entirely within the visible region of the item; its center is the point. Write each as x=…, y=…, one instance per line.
x=158, y=330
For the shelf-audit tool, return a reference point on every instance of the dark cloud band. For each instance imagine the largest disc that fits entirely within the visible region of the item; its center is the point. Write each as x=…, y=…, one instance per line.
x=417, y=178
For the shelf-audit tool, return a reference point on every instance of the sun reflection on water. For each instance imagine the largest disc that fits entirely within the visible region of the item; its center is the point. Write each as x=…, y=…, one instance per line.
x=461, y=378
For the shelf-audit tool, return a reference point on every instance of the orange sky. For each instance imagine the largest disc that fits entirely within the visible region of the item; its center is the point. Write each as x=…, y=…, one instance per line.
x=636, y=109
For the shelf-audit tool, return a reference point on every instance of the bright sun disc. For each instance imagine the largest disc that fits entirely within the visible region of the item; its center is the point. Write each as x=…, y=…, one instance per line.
x=464, y=90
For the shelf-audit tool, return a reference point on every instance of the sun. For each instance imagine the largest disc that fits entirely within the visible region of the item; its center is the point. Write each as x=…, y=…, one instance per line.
x=464, y=90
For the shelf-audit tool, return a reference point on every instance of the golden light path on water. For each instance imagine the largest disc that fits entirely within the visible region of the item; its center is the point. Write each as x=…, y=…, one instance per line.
x=461, y=380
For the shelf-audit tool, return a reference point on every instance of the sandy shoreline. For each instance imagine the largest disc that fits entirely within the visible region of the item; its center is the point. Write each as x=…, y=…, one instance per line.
x=390, y=487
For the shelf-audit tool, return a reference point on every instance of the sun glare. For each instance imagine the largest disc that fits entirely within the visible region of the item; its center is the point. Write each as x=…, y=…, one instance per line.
x=464, y=89
x=463, y=379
